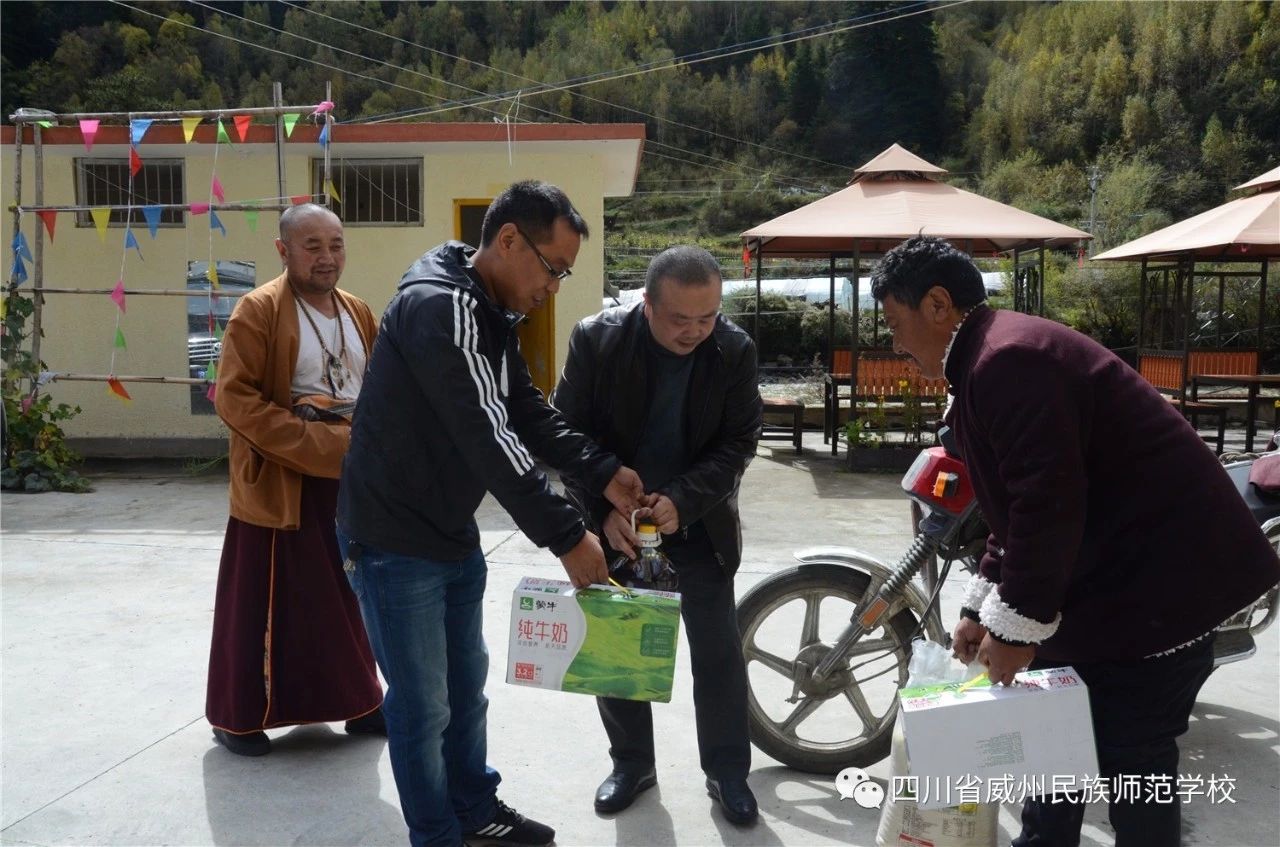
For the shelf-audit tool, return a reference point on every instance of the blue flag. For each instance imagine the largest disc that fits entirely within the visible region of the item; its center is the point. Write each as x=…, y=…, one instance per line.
x=152, y=214
x=214, y=223
x=137, y=128
x=131, y=241
x=20, y=246
x=19, y=271
x=324, y=135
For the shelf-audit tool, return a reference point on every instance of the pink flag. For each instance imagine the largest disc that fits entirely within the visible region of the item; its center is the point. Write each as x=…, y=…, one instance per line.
x=299, y=199
x=216, y=188
x=88, y=128
x=213, y=390
x=199, y=208
x=323, y=106
x=117, y=295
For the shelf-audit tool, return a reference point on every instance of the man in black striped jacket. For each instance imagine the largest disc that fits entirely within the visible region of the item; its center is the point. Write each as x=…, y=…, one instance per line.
x=447, y=412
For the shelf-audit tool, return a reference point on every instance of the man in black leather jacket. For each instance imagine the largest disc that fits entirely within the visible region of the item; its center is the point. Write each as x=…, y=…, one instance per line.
x=669, y=387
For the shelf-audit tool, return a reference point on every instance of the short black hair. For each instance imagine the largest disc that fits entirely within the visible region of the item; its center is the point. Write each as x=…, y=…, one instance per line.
x=685, y=264
x=909, y=270
x=533, y=206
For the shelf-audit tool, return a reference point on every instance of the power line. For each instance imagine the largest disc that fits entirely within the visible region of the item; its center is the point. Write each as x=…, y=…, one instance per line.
x=512, y=74
x=796, y=180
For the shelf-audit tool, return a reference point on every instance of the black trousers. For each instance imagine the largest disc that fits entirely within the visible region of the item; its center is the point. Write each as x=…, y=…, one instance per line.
x=719, y=678
x=1139, y=709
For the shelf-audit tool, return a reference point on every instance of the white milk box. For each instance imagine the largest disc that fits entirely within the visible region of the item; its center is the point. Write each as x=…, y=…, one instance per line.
x=600, y=640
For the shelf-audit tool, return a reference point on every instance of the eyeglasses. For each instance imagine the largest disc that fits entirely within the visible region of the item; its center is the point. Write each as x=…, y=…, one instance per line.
x=541, y=258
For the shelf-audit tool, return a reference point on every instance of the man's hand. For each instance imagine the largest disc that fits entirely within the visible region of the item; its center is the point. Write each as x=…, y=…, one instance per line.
x=617, y=528
x=585, y=562
x=966, y=639
x=625, y=491
x=1004, y=660
x=664, y=513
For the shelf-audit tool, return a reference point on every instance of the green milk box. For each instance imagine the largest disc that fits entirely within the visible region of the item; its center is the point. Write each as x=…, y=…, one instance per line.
x=602, y=640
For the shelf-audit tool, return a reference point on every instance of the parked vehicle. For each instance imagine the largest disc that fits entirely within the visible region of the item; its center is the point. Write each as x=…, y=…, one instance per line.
x=203, y=345
x=830, y=703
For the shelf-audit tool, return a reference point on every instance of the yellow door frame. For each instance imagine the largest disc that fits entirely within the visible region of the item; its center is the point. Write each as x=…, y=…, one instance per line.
x=537, y=332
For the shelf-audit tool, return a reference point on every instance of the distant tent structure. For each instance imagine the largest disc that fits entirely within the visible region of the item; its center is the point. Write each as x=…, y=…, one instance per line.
x=1172, y=348
x=895, y=196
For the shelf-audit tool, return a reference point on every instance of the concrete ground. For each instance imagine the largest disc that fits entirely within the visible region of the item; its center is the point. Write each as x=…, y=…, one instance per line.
x=107, y=603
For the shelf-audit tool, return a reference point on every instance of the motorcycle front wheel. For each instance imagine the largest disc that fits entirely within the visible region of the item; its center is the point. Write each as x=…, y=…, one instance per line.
x=788, y=624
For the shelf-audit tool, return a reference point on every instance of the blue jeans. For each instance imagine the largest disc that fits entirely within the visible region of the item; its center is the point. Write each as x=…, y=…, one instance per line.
x=423, y=618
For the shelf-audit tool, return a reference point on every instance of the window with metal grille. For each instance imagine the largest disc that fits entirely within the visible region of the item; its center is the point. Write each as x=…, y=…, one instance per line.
x=381, y=192
x=105, y=182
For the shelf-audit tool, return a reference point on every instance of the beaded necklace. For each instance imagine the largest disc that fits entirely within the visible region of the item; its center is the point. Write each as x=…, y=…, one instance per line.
x=335, y=368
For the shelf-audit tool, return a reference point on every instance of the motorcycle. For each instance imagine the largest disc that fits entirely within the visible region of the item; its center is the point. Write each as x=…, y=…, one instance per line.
x=831, y=703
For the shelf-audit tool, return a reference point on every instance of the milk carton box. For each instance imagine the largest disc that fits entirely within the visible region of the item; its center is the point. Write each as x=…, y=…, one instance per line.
x=601, y=640
x=982, y=743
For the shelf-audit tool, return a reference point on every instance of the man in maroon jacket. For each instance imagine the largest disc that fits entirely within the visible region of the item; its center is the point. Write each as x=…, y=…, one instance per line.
x=1118, y=543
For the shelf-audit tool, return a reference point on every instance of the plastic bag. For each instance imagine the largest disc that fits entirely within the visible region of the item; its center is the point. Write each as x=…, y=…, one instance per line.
x=901, y=821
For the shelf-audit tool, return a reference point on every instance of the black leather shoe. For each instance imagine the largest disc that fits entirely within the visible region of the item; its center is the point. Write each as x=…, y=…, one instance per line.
x=248, y=744
x=371, y=724
x=620, y=790
x=735, y=799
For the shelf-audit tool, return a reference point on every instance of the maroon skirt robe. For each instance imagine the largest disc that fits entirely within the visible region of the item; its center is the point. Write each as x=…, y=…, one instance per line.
x=289, y=646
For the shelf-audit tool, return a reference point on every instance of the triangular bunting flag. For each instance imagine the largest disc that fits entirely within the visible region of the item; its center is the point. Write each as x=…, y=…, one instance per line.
x=215, y=188
x=214, y=223
x=135, y=162
x=20, y=246
x=131, y=240
x=213, y=324
x=152, y=214
x=117, y=295
x=289, y=121
x=209, y=395
x=211, y=372
x=45, y=124
x=324, y=135
x=120, y=343
x=217, y=330
x=323, y=106
x=242, y=125
x=137, y=128
x=117, y=388
x=19, y=271
x=50, y=218
x=333, y=191
x=101, y=215
x=26, y=403
x=222, y=133
x=199, y=208
x=189, y=128
x=88, y=129
x=212, y=273
x=251, y=218
x=299, y=199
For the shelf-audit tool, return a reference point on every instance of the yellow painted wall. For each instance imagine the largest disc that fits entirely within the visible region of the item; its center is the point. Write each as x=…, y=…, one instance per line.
x=79, y=329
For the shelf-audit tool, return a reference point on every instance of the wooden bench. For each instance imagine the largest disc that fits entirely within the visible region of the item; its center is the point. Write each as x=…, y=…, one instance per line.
x=1164, y=370
x=1193, y=409
x=794, y=431
x=879, y=386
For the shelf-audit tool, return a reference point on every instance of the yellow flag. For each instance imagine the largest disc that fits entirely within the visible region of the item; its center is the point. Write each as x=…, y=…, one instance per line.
x=189, y=128
x=213, y=274
x=101, y=215
x=333, y=191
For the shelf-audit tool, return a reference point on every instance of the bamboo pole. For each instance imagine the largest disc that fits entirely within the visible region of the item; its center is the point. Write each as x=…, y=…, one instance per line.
x=188, y=113
x=153, y=292
x=216, y=207
x=37, y=272
x=159, y=380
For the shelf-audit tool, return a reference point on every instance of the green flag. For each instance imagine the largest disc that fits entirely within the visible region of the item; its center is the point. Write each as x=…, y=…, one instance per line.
x=289, y=121
x=120, y=339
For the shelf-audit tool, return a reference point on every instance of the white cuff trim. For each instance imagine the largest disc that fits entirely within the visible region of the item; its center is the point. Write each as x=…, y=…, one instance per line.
x=1001, y=618
x=975, y=591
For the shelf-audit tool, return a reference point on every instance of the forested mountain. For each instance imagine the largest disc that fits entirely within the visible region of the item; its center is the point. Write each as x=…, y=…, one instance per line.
x=751, y=108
